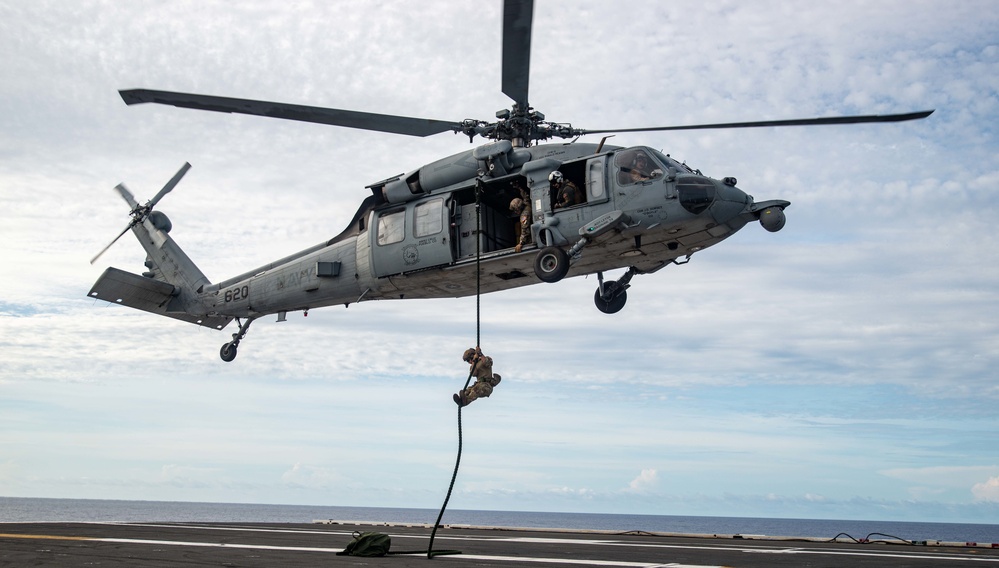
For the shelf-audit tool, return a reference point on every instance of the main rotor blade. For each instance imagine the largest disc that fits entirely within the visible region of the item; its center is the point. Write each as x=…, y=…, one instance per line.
x=791, y=122
x=336, y=117
x=169, y=185
x=518, y=16
x=105, y=249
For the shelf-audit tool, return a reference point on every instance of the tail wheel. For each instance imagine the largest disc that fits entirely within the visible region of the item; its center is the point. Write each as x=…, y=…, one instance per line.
x=228, y=352
x=612, y=300
x=551, y=264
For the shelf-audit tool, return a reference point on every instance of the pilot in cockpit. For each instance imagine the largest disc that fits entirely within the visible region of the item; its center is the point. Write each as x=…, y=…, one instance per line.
x=640, y=168
x=637, y=167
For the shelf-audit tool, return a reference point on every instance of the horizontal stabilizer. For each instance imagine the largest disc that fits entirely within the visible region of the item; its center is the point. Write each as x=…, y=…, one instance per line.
x=120, y=287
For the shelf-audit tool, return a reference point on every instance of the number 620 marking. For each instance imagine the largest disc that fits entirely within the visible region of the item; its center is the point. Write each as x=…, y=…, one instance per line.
x=236, y=294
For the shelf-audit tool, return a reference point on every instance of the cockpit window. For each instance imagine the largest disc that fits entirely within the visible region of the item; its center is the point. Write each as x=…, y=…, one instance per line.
x=636, y=165
x=666, y=160
x=671, y=163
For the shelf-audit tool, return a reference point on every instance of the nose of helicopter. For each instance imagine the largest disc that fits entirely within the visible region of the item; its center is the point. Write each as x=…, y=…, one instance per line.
x=735, y=208
x=730, y=201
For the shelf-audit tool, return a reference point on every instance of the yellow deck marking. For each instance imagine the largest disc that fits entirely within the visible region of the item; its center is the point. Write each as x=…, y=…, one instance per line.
x=45, y=536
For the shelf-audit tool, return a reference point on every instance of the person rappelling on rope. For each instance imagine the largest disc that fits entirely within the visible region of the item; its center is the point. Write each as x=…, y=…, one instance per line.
x=482, y=370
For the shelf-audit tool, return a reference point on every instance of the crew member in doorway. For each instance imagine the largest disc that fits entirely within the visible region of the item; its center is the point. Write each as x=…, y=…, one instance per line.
x=521, y=206
x=482, y=370
x=567, y=193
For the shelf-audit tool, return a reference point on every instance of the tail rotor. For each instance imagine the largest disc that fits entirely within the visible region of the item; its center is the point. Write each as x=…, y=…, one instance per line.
x=138, y=212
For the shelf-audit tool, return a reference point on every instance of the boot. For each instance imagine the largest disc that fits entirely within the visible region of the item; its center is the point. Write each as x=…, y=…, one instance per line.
x=496, y=379
x=518, y=247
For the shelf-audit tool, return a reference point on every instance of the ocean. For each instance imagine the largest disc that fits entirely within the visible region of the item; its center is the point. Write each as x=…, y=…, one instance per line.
x=17, y=509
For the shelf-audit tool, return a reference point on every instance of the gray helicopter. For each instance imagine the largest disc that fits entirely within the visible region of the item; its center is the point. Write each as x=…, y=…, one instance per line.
x=425, y=234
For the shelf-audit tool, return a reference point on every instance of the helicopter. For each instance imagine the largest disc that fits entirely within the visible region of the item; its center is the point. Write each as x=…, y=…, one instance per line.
x=447, y=229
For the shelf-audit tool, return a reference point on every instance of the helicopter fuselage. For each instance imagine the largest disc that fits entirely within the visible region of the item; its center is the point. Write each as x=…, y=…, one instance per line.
x=422, y=235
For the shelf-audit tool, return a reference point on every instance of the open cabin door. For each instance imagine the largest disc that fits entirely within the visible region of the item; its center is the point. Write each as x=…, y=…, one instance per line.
x=494, y=228
x=412, y=236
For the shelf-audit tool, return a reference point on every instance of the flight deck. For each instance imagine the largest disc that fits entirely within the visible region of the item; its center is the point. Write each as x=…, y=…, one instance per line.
x=316, y=544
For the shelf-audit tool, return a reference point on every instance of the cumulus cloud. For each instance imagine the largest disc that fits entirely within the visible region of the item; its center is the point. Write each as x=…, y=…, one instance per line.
x=571, y=492
x=647, y=480
x=987, y=491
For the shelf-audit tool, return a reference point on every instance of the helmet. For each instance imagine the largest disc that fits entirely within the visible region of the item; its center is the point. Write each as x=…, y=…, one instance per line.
x=555, y=177
x=469, y=353
x=516, y=203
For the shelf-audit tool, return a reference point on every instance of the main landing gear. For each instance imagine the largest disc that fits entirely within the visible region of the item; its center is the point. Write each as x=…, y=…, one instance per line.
x=228, y=351
x=611, y=296
x=552, y=263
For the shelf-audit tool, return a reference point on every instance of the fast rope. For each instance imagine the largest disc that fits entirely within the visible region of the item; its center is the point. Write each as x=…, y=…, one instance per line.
x=478, y=337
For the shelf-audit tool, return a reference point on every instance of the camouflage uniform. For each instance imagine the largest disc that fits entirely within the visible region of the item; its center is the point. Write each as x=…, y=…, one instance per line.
x=568, y=195
x=522, y=206
x=482, y=370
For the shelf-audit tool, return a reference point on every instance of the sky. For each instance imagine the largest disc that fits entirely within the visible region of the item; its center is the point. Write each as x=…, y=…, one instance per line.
x=842, y=368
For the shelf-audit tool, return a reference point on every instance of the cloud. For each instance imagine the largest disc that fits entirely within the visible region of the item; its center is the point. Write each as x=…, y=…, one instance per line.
x=941, y=476
x=189, y=476
x=987, y=491
x=648, y=480
x=311, y=477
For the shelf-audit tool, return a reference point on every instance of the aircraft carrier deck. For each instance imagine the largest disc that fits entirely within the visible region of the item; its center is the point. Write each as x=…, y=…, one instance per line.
x=270, y=544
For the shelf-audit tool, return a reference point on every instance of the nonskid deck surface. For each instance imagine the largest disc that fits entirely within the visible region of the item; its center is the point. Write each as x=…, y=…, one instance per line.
x=273, y=544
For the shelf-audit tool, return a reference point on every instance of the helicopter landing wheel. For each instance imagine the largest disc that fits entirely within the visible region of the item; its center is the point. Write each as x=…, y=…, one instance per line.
x=228, y=352
x=551, y=264
x=612, y=300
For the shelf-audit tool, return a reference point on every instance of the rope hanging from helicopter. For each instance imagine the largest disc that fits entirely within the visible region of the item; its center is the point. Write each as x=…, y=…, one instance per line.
x=478, y=341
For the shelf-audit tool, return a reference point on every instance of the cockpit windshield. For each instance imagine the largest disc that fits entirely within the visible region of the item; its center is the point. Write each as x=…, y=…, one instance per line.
x=670, y=162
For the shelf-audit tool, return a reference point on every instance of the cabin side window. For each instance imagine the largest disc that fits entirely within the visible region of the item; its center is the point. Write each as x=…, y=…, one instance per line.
x=429, y=218
x=392, y=227
x=595, y=179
